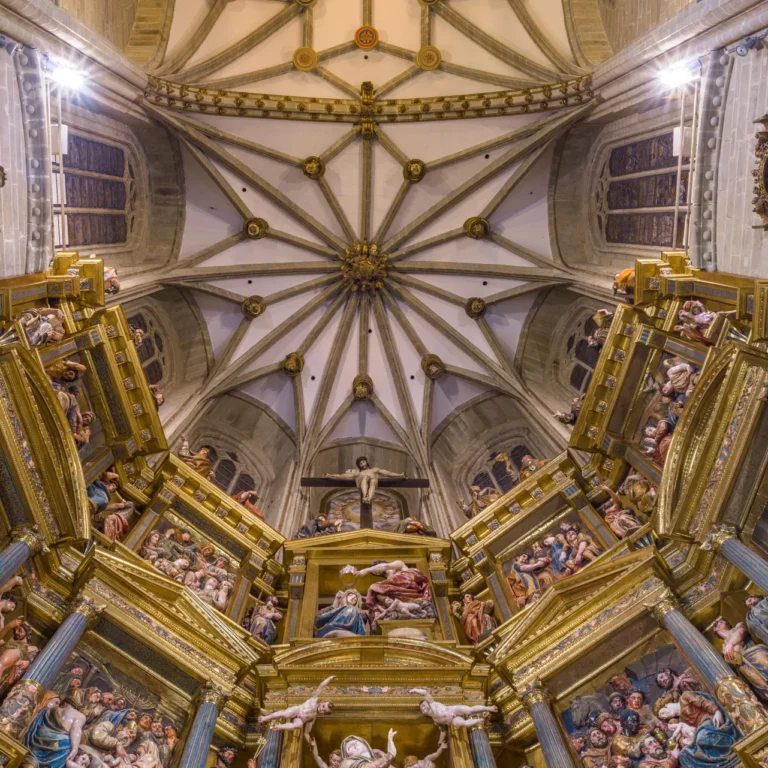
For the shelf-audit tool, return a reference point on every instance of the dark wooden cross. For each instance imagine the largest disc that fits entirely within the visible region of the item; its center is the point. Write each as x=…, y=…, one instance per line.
x=366, y=513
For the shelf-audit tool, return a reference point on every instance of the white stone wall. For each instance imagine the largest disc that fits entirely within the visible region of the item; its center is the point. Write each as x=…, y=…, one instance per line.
x=740, y=248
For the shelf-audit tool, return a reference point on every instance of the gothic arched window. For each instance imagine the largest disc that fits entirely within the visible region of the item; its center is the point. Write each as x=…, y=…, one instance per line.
x=152, y=349
x=231, y=474
x=581, y=359
x=95, y=201
x=636, y=194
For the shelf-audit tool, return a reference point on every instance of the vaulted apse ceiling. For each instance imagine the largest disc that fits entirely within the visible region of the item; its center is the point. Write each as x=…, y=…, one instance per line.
x=240, y=168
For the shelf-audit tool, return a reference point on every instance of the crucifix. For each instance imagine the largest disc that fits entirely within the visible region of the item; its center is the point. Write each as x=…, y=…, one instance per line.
x=367, y=479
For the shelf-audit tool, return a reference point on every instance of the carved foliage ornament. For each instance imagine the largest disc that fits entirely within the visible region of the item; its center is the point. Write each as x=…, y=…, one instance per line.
x=362, y=387
x=477, y=228
x=760, y=174
x=432, y=366
x=429, y=58
x=313, y=167
x=475, y=308
x=253, y=306
x=293, y=365
x=364, y=267
x=366, y=37
x=305, y=58
x=414, y=171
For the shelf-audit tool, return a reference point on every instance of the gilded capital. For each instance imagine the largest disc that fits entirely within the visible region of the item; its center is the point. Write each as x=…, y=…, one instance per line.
x=661, y=607
x=534, y=693
x=718, y=536
x=88, y=608
x=211, y=694
x=31, y=536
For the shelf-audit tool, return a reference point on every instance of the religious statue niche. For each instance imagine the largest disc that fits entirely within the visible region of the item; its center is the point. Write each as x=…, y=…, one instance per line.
x=66, y=378
x=187, y=558
x=664, y=396
x=651, y=712
x=43, y=325
x=19, y=643
x=345, y=617
x=745, y=643
x=261, y=620
x=561, y=551
x=387, y=510
x=112, y=514
x=96, y=715
x=476, y=617
x=403, y=595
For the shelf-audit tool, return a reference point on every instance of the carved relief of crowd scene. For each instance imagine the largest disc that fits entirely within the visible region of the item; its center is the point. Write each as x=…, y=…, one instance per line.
x=404, y=594
x=93, y=717
x=665, y=396
x=18, y=646
x=561, y=552
x=655, y=713
x=197, y=565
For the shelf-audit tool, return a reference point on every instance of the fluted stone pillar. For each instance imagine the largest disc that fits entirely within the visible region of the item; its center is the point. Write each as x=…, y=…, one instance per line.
x=482, y=754
x=26, y=542
x=18, y=706
x=554, y=746
x=271, y=754
x=754, y=567
x=733, y=694
x=210, y=702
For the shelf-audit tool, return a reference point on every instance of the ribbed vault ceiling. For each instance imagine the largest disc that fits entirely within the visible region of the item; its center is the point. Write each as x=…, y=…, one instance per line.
x=279, y=209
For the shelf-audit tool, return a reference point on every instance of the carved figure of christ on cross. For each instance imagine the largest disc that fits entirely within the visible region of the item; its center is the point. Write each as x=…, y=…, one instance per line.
x=367, y=479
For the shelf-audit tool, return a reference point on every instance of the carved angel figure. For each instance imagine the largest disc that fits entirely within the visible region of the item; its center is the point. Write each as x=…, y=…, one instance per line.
x=302, y=716
x=456, y=715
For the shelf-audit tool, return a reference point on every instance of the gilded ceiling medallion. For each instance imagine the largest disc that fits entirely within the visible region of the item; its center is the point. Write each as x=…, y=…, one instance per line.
x=414, y=171
x=475, y=308
x=293, y=365
x=362, y=387
x=432, y=366
x=429, y=2
x=313, y=167
x=428, y=58
x=306, y=3
x=364, y=267
x=253, y=306
x=305, y=58
x=366, y=37
x=477, y=228
x=256, y=228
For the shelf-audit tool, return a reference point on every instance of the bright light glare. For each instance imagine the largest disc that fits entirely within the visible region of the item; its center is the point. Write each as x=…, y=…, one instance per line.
x=68, y=78
x=676, y=76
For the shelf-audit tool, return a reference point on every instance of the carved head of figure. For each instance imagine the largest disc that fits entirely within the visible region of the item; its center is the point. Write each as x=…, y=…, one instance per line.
x=635, y=700
x=425, y=708
x=157, y=728
x=665, y=679
x=617, y=702
x=7, y=603
x=352, y=599
x=169, y=731
x=651, y=748
x=597, y=739
x=362, y=463
x=325, y=708
x=466, y=598
x=721, y=627
x=410, y=761
x=145, y=722
x=752, y=600
x=226, y=755
x=630, y=721
x=619, y=761
x=578, y=742
x=334, y=759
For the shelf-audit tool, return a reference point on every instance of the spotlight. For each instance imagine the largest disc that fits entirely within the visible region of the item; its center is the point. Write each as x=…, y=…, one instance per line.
x=674, y=77
x=66, y=77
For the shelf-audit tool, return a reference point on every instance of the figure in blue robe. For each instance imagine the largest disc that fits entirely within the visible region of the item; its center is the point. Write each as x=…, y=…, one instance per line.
x=344, y=614
x=48, y=740
x=712, y=746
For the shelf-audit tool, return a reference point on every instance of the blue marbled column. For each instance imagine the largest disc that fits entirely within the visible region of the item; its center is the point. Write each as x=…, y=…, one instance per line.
x=271, y=754
x=748, y=562
x=198, y=744
x=50, y=660
x=482, y=754
x=26, y=542
x=554, y=747
x=705, y=659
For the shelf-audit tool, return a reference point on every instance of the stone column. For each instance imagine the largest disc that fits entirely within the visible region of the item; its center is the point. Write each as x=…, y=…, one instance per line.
x=733, y=694
x=271, y=754
x=753, y=566
x=26, y=542
x=482, y=753
x=16, y=711
x=210, y=702
x=554, y=746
